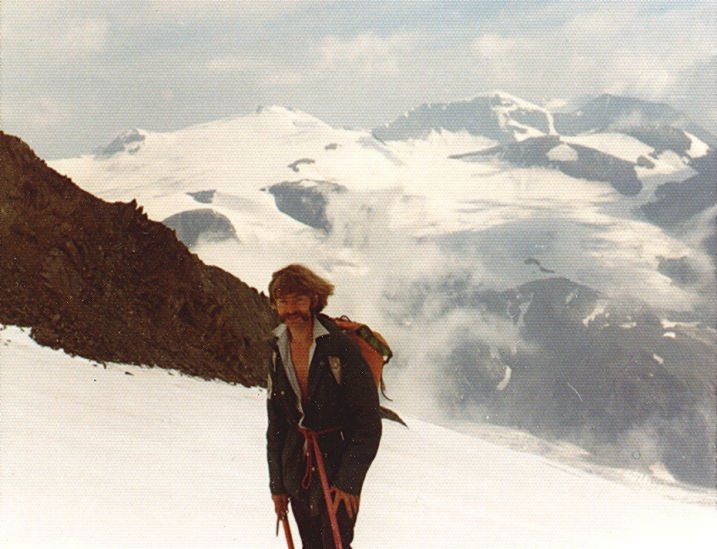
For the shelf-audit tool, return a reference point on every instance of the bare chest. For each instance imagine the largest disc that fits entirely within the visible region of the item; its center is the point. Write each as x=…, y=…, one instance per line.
x=300, y=360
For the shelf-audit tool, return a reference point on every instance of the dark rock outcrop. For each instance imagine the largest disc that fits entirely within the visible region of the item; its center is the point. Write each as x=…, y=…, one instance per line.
x=644, y=162
x=203, y=223
x=533, y=261
x=102, y=281
x=529, y=152
x=305, y=200
x=129, y=141
x=588, y=163
x=296, y=163
x=477, y=116
x=679, y=269
x=661, y=138
x=205, y=197
x=618, y=113
x=677, y=201
x=599, y=166
x=605, y=374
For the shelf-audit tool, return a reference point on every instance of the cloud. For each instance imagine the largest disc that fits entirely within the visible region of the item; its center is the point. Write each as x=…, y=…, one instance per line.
x=492, y=46
x=600, y=24
x=567, y=50
x=233, y=64
x=41, y=112
x=367, y=53
x=222, y=9
x=695, y=93
x=85, y=36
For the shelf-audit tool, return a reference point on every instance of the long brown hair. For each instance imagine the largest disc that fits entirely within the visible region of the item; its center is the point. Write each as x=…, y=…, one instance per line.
x=298, y=279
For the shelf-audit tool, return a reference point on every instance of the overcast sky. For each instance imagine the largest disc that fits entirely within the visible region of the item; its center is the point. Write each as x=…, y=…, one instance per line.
x=76, y=73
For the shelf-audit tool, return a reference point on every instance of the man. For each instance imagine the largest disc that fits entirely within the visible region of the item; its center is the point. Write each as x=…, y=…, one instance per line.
x=319, y=386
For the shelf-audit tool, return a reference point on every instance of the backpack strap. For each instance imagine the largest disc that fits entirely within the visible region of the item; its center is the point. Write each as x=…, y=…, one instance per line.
x=376, y=344
x=374, y=339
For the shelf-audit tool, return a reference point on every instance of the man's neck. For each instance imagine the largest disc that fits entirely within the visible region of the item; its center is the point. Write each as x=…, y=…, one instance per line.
x=302, y=333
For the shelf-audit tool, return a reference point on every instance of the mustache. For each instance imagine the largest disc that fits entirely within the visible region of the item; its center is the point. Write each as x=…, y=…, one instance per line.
x=301, y=315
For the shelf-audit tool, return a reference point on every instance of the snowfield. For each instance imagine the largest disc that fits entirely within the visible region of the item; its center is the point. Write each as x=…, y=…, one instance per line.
x=398, y=192
x=126, y=456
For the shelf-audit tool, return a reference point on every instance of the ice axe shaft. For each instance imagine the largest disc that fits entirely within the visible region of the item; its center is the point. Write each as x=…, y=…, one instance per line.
x=327, y=496
x=287, y=529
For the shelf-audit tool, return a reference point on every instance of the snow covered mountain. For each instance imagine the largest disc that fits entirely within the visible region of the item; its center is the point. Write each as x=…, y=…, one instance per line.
x=498, y=116
x=125, y=456
x=463, y=244
x=610, y=112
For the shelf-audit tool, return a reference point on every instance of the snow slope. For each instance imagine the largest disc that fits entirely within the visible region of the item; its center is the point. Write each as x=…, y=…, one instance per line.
x=125, y=456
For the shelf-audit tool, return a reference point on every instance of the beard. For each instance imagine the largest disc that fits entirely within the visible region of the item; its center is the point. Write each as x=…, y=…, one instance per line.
x=299, y=314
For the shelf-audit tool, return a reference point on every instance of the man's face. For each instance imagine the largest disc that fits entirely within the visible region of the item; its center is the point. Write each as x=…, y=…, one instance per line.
x=294, y=309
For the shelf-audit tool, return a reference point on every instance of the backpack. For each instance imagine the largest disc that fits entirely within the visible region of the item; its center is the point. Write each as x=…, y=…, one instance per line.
x=374, y=348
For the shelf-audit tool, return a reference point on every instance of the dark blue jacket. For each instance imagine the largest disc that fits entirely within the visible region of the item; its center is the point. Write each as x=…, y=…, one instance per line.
x=352, y=405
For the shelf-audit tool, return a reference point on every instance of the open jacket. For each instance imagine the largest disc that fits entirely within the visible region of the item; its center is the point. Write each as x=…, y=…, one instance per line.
x=341, y=394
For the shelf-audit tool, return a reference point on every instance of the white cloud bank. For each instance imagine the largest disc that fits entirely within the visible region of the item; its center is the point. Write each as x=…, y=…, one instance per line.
x=86, y=36
x=367, y=53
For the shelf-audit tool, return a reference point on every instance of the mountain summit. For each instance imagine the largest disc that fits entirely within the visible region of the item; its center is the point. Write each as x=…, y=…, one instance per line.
x=497, y=115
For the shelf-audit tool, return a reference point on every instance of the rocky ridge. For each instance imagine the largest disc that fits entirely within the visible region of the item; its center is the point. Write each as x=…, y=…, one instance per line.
x=101, y=280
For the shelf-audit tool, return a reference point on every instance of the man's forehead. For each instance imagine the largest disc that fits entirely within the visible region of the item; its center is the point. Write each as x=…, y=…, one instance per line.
x=292, y=295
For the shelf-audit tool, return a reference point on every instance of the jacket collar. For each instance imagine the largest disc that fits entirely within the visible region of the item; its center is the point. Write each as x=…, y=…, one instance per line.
x=281, y=332
x=319, y=329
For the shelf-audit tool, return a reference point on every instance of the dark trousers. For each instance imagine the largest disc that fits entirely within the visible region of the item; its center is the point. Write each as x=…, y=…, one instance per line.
x=315, y=531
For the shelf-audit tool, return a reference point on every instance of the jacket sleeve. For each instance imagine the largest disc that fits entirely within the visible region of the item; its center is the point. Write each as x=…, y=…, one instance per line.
x=363, y=422
x=275, y=433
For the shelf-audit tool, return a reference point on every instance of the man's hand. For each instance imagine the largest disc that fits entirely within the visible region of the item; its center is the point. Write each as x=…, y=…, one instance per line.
x=281, y=503
x=351, y=502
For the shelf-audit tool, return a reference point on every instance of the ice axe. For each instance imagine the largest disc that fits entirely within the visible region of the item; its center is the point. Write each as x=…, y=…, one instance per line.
x=287, y=529
x=311, y=441
x=327, y=494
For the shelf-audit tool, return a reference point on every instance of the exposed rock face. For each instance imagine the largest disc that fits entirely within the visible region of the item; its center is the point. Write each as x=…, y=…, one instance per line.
x=530, y=152
x=610, y=111
x=608, y=375
x=205, y=197
x=645, y=162
x=582, y=162
x=533, y=261
x=305, y=200
x=710, y=243
x=679, y=269
x=662, y=138
x=648, y=119
x=191, y=225
x=676, y=202
x=496, y=116
x=129, y=141
x=102, y=281
x=296, y=163
x=598, y=166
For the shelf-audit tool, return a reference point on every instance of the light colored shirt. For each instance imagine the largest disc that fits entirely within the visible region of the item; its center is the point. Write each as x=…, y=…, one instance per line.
x=282, y=333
